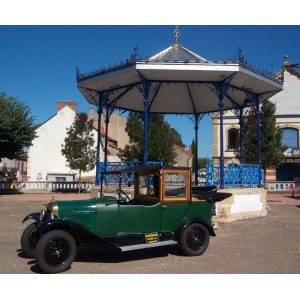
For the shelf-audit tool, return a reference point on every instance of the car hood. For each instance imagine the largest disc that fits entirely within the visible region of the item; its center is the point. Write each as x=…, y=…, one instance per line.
x=83, y=212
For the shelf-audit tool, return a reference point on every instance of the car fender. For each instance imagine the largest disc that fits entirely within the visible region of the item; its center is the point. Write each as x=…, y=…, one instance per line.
x=33, y=216
x=189, y=222
x=76, y=230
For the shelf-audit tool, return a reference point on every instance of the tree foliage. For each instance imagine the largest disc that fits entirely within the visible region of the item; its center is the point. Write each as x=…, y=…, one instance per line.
x=17, y=129
x=193, y=146
x=202, y=161
x=177, y=138
x=271, y=135
x=161, y=139
x=79, y=147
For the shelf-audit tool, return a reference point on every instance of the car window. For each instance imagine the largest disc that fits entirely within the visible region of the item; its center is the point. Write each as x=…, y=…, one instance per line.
x=148, y=185
x=143, y=185
x=175, y=186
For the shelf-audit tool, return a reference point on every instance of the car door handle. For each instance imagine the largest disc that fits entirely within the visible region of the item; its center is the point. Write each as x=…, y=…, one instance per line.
x=164, y=206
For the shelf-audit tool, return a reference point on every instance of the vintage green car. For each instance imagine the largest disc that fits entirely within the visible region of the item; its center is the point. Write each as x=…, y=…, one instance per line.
x=165, y=210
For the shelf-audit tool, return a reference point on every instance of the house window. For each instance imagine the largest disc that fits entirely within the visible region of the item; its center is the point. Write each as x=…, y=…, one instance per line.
x=60, y=179
x=290, y=137
x=233, y=138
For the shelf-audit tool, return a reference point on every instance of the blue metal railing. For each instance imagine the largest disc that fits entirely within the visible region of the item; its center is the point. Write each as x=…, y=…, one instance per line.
x=235, y=175
x=113, y=179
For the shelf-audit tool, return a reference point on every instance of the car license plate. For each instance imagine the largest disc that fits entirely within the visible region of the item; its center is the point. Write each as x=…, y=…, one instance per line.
x=151, y=237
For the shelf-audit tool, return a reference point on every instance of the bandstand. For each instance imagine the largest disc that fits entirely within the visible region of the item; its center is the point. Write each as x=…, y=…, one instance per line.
x=179, y=81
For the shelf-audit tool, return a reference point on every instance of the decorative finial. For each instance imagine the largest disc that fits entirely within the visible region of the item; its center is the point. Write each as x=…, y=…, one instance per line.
x=176, y=33
x=286, y=61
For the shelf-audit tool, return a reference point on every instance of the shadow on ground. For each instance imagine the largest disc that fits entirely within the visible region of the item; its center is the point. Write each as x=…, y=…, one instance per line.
x=106, y=254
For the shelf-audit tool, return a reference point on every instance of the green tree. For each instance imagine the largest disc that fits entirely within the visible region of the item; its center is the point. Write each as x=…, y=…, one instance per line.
x=271, y=135
x=79, y=147
x=193, y=145
x=202, y=161
x=161, y=139
x=17, y=129
x=177, y=138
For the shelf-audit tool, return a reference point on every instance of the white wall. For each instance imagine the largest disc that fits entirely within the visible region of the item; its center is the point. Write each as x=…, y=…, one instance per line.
x=287, y=101
x=44, y=156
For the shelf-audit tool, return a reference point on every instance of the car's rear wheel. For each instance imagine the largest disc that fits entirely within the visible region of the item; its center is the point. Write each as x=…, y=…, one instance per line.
x=28, y=240
x=194, y=240
x=55, y=251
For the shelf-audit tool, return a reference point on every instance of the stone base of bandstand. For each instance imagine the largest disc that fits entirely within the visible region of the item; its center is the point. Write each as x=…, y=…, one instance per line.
x=244, y=203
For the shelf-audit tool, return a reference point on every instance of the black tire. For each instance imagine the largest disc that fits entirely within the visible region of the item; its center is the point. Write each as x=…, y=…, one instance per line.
x=28, y=240
x=55, y=251
x=194, y=240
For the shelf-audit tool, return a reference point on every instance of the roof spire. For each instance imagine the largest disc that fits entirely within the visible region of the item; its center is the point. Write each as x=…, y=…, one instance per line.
x=286, y=61
x=176, y=34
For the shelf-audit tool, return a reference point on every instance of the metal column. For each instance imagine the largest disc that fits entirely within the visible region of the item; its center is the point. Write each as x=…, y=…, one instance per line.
x=196, y=150
x=221, y=174
x=241, y=123
x=258, y=116
x=100, y=111
x=220, y=89
x=145, y=86
x=107, y=116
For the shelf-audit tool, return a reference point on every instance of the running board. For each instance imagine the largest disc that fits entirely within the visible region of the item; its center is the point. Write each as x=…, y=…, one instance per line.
x=143, y=246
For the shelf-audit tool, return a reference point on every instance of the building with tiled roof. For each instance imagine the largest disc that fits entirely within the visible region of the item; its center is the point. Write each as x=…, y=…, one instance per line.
x=184, y=158
x=45, y=159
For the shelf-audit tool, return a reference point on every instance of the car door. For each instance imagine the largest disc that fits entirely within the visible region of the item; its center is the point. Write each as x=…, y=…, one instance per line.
x=139, y=218
x=145, y=215
x=175, y=199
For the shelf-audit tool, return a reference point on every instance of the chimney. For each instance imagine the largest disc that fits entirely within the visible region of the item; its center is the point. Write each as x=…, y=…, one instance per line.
x=72, y=105
x=91, y=113
x=61, y=105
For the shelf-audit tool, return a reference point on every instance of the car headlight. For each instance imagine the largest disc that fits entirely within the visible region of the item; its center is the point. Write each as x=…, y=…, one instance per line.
x=52, y=207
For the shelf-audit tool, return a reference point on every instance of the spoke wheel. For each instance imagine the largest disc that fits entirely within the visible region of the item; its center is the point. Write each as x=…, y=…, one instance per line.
x=28, y=240
x=55, y=251
x=194, y=240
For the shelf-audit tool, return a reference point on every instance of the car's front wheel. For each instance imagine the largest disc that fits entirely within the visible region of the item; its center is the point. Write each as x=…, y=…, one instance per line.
x=194, y=240
x=55, y=251
x=28, y=240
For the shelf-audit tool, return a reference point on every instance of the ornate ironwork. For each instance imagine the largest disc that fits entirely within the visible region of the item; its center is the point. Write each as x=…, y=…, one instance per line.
x=235, y=175
x=176, y=34
x=176, y=54
x=114, y=179
x=193, y=119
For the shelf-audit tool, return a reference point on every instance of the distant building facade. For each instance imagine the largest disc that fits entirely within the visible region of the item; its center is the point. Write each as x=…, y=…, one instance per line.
x=45, y=161
x=13, y=169
x=184, y=158
x=116, y=127
x=287, y=118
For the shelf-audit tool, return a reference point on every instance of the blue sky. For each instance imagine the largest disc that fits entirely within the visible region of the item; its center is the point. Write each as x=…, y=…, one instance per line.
x=38, y=62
